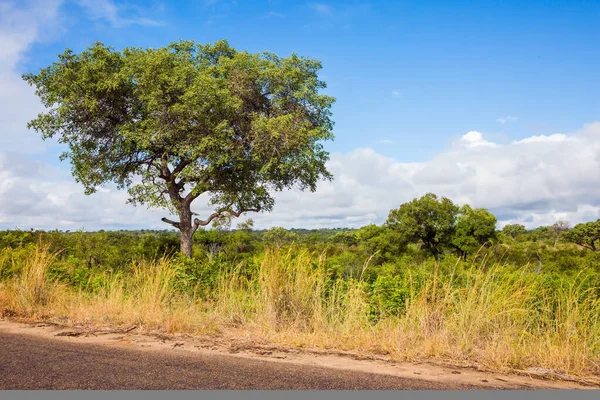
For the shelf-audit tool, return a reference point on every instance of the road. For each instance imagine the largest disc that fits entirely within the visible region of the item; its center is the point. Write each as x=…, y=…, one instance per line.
x=29, y=362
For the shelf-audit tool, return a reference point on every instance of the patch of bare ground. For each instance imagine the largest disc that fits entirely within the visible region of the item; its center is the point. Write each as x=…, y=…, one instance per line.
x=250, y=348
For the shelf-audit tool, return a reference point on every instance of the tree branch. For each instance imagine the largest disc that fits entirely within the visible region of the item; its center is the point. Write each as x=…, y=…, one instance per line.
x=164, y=171
x=221, y=213
x=243, y=210
x=168, y=221
x=182, y=164
x=190, y=197
x=179, y=185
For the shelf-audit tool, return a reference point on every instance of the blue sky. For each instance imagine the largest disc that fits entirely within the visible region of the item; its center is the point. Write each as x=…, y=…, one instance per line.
x=413, y=81
x=417, y=73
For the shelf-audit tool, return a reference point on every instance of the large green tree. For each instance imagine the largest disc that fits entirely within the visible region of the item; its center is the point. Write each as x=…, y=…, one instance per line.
x=429, y=220
x=174, y=123
x=474, y=228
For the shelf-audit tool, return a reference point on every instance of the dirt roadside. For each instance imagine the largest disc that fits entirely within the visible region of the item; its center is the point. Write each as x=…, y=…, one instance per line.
x=164, y=345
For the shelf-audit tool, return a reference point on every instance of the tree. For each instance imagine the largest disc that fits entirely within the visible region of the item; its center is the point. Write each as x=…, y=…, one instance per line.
x=279, y=236
x=586, y=235
x=174, y=123
x=212, y=240
x=428, y=220
x=539, y=234
x=382, y=242
x=558, y=228
x=474, y=228
x=514, y=230
x=347, y=239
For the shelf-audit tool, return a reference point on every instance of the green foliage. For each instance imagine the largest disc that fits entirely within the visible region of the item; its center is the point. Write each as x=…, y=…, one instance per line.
x=428, y=220
x=210, y=237
x=474, y=228
x=381, y=242
x=539, y=234
x=246, y=225
x=586, y=235
x=514, y=230
x=279, y=236
x=388, y=295
x=347, y=239
x=198, y=276
x=188, y=119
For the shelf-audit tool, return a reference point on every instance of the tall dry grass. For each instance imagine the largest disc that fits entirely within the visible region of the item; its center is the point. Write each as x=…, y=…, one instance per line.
x=30, y=291
x=492, y=317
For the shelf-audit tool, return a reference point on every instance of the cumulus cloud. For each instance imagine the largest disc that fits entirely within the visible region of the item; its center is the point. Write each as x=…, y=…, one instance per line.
x=34, y=194
x=534, y=181
x=474, y=139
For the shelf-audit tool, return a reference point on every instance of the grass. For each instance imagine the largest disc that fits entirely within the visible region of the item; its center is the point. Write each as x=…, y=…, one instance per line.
x=493, y=316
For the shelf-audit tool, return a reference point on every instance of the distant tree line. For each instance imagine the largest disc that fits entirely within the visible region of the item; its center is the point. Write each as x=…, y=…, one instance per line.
x=429, y=226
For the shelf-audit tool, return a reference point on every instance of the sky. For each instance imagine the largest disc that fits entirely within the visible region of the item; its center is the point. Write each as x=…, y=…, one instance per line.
x=494, y=104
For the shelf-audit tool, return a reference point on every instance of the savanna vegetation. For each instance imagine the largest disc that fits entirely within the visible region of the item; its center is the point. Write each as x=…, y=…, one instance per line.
x=435, y=281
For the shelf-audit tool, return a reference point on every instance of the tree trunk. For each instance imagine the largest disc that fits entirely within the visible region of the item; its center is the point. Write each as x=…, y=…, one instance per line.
x=185, y=246
x=186, y=227
x=436, y=254
x=186, y=230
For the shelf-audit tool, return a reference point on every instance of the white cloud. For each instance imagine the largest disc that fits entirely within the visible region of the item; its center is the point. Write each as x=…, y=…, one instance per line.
x=21, y=24
x=36, y=195
x=396, y=93
x=504, y=120
x=474, y=139
x=557, y=137
x=534, y=182
x=113, y=13
x=385, y=141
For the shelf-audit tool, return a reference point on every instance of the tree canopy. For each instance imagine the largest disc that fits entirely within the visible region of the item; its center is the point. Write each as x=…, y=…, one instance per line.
x=174, y=123
x=279, y=236
x=585, y=234
x=429, y=220
x=474, y=228
x=514, y=230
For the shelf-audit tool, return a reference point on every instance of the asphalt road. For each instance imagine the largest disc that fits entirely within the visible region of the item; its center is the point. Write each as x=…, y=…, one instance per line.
x=28, y=362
